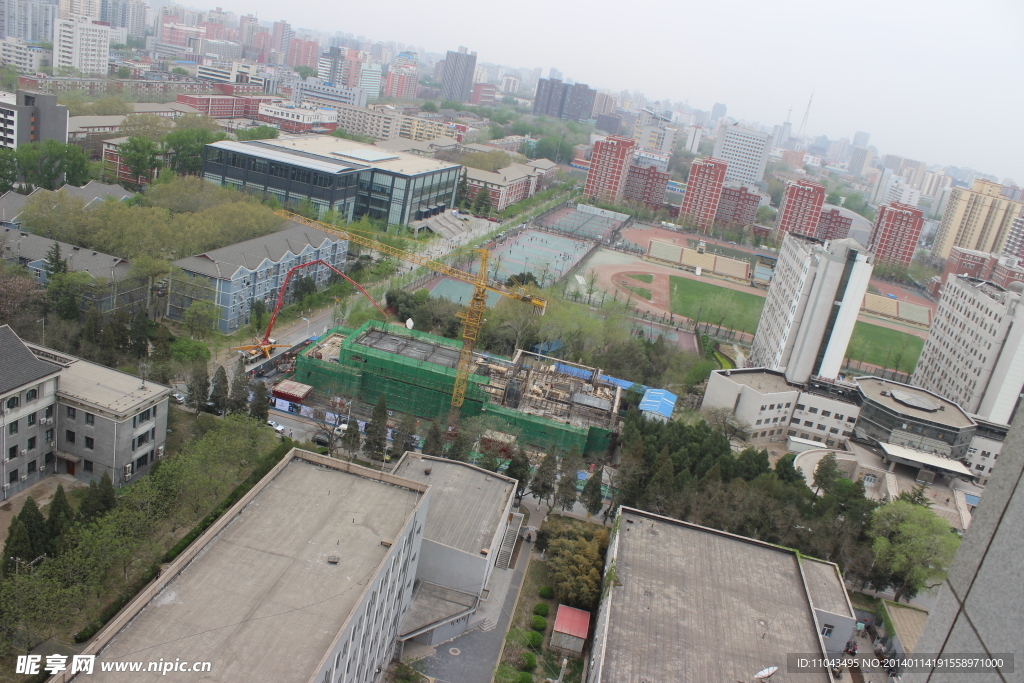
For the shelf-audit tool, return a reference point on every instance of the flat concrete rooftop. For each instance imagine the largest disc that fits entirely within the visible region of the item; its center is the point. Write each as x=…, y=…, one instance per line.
x=699, y=605
x=466, y=502
x=261, y=602
x=914, y=401
x=410, y=347
x=764, y=381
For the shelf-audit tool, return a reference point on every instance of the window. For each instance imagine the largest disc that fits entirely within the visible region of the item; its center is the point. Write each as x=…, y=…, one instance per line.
x=771, y=407
x=87, y=465
x=813, y=410
x=89, y=443
x=839, y=416
x=49, y=435
x=71, y=412
x=826, y=413
x=762, y=407
x=808, y=423
x=870, y=479
x=821, y=427
x=13, y=477
x=791, y=432
x=69, y=436
x=833, y=430
x=804, y=435
x=13, y=402
x=31, y=395
x=32, y=467
x=788, y=404
x=12, y=452
x=758, y=422
x=851, y=419
x=12, y=428
x=31, y=443
x=49, y=411
x=800, y=406
x=90, y=419
x=31, y=419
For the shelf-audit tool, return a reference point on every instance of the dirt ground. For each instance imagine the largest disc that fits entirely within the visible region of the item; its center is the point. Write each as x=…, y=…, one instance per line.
x=42, y=491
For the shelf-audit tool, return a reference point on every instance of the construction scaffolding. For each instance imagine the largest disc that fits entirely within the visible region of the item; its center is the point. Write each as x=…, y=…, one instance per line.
x=554, y=406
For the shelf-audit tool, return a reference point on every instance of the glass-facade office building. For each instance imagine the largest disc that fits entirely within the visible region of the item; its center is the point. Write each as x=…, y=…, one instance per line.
x=339, y=175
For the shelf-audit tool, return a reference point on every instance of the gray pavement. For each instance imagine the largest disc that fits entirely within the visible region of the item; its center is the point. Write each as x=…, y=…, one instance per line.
x=478, y=651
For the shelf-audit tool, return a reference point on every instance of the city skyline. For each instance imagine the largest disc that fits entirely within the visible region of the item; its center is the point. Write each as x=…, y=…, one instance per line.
x=865, y=41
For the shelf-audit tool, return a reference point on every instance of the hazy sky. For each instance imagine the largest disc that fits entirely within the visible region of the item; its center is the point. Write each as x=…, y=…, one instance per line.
x=934, y=80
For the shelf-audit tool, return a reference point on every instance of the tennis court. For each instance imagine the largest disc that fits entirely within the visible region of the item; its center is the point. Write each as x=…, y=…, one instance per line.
x=545, y=255
x=584, y=225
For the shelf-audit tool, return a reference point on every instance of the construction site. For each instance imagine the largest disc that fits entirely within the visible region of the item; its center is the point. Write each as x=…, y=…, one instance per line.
x=551, y=403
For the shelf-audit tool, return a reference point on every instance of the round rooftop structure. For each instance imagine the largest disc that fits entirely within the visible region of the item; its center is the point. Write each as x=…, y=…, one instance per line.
x=915, y=401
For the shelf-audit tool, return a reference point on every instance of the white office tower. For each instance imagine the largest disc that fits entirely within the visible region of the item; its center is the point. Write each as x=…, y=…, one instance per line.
x=974, y=354
x=744, y=150
x=812, y=305
x=81, y=43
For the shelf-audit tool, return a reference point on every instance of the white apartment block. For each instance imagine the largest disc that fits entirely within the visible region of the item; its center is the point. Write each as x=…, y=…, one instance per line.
x=82, y=43
x=325, y=94
x=773, y=409
x=381, y=124
x=985, y=448
x=974, y=354
x=745, y=151
x=811, y=308
x=371, y=80
x=23, y=57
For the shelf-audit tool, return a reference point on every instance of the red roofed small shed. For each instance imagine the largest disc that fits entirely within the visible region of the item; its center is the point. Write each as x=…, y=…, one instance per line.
x=570, y=633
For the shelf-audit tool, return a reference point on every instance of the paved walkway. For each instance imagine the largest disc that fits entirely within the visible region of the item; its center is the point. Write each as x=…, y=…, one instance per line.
x=477, y=651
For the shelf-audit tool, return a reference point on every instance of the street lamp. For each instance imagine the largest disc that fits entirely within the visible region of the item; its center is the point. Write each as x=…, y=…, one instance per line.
x=307, y=327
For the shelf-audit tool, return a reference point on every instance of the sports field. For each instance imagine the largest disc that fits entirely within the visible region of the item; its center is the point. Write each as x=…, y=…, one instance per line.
x=884, y=347
x=713, y=303
x=642, y=277
x=640, y=291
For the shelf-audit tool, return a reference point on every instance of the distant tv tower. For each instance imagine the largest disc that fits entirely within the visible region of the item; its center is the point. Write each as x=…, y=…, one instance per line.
x=803, y=124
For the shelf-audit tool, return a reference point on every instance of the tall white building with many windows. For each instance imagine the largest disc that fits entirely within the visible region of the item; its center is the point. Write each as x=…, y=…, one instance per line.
x=82, y=43
x=974, y=354
x=746, y=152
x=812, y=305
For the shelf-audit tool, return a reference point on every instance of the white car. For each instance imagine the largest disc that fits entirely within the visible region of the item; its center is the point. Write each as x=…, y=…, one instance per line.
x=177, y=397
x=276, y=427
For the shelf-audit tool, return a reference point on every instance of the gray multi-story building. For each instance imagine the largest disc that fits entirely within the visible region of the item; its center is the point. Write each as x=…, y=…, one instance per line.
x=746, y=152
x=339, y=175
x=31, y=20
x=64, y=415
x=457, y=79
x=236, y=276
x=563, y=101
x=28, y=116
x=314, y=90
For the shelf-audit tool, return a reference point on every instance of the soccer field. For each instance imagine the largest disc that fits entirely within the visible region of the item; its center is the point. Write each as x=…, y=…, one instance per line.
x=713, y=302
x=884, y=347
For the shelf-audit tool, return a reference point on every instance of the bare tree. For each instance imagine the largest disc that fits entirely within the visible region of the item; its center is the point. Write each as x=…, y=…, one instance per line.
x=329, y=414
x=725, y=420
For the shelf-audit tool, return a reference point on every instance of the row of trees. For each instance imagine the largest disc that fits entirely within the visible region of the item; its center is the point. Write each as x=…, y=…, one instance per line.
x=72, y=563
x=48, y=164
x=226, y=398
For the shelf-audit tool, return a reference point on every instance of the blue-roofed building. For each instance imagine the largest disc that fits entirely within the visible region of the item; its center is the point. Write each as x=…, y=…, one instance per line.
x=658, y=404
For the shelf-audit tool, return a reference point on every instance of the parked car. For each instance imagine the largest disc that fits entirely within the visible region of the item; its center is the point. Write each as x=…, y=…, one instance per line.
x=321, y=439
x=276, y=427
x=178, y=397
x=211, y=408
x=340, y=429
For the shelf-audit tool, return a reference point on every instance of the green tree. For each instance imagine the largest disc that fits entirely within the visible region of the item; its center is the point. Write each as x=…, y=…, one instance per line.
x=462, y=191
x=545, y=479
x=592, y=497
x=219, y=389
x=139, y=335
x=460, y=447
x=115, y=338
x=304, y=71
x=108, y=494
x=565, y=491
x=482, y=201
x=257, y=133
x=258, y=313
x=405, y=435
x=752, y=463
x=519, y=469
x=35, y=524
x=123, y=72
x=259, y=407
x=59, y=520
x=352, y=439
x=660, y=491
x=64, y=294
x=8, y=169
x=916, y=496
x=180, y=71
x=238, y=397
x=912, y=545
x=197, y=387
x=201, y=318
x=142, y=157
x=826, y=473
x=18, y=546
x=429, y=106
x=377, y=429
x=55, y=263
x=188, y=144
x=785, y=470
x=151, y=127
x=434, y=443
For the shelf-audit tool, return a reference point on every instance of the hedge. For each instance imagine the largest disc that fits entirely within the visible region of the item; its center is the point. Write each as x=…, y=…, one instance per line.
x=541, y=609
x=539, y=623
x=546, y=592
x=534, y=639
x=524, y=677
x=529, y=661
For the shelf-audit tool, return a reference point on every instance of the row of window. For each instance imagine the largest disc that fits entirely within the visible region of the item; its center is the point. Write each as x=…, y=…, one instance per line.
x=15, y=401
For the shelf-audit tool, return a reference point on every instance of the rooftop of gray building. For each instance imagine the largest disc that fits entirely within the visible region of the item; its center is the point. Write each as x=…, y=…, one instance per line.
x=432, y=603
x=21, y=367
x=696, y=604
x=467, y=503
x=96, y=385
x=914, y=402
x=225, y=261
x=12, y=203
x=762, y=380
x=261, y=601
x=26, y=247
x=825, y=584
x=355, y=154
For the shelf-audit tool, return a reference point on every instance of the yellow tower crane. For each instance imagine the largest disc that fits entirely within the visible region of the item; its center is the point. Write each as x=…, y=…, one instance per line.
x=474, y=315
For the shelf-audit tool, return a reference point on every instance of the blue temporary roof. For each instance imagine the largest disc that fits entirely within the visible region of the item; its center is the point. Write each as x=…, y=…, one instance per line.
x=658, y=401
x=589, y=374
